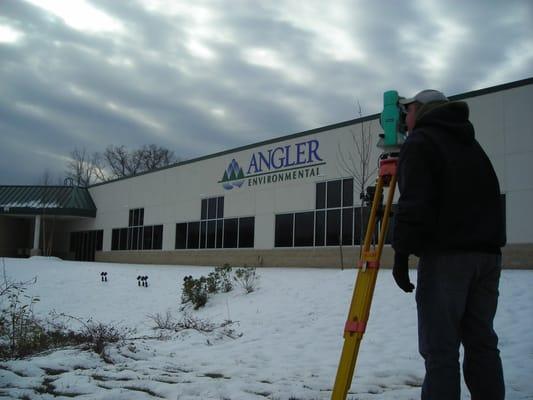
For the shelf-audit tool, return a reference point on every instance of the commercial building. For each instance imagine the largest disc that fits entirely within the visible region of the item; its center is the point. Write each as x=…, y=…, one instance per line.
x=290, y=201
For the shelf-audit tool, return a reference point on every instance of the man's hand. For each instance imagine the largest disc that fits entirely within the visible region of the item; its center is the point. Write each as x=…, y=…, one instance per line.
x=400, y=271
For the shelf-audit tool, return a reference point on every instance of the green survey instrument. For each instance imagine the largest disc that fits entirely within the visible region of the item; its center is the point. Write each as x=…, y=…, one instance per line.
x=392, y=122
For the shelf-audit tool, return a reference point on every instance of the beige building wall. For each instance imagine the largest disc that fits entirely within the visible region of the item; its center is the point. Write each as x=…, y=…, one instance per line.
x=173, y=195
x=503, y=127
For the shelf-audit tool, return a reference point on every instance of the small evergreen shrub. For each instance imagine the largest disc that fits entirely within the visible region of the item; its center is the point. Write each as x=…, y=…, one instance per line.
x=213, y=282
x=194, y=291
x=197, y=291
x=224, y=278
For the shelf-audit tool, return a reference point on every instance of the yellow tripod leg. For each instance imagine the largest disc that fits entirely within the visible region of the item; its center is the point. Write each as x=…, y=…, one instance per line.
x=363, y=290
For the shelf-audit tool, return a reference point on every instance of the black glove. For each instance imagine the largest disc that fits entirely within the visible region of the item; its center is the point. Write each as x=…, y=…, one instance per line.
x=400, y=271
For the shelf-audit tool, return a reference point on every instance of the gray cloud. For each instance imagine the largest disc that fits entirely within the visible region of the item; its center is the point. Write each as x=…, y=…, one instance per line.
x=201, y=77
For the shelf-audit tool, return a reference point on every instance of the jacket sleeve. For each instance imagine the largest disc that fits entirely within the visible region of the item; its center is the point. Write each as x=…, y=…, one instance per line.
x=417, y=185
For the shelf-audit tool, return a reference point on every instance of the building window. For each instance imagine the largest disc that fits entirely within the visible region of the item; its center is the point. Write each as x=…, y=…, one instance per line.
x=347, y=226
x=115, y=239
x=84, y=244
x=246, y=232
x=347, y=192
x=220, y=207
x=320, y=195
x=320, y=228
x=213, y=231
x=203, y=213
x=134, y=238
x=136, y=217
x=203, y=234
x=304, y=227
x=137, y=236
x=284, y=230
x=231, y=232
x=211, y=234
x=134, y=232
x=148, y=237
x=217, y=233
x=333, y=193
x=333, y=222
x=123, y=241
x=158, y=237
x=99, y=240
x=181, y=236
x=193, y=235
x=220, y=232
x=212, y=208
x=333, y=227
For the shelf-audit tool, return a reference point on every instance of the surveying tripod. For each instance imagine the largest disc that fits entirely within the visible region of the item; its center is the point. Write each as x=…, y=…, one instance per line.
x=391, y=121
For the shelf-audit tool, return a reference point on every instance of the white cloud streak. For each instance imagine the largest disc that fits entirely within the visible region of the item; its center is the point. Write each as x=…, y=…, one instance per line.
x=80, y=15
x=9, y=35
x=203, y=76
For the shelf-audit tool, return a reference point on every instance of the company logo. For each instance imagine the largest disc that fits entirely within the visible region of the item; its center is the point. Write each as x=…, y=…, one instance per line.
x=278, y=164
x=233, y=176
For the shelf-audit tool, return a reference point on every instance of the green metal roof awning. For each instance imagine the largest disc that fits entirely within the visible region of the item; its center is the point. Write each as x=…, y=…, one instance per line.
x=49, y=200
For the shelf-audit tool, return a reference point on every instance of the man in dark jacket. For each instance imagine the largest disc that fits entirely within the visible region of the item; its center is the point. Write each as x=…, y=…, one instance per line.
x=450, y=215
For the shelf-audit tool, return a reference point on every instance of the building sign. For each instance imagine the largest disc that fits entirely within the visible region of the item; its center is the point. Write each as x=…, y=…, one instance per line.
x=278, y=164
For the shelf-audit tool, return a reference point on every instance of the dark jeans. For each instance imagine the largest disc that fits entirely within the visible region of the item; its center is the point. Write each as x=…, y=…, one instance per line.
x=457, y=296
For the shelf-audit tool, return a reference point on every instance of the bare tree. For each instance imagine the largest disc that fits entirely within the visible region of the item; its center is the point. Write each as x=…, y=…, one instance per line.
x=45, y=178
x=116, y=162
x=81, y=168
x=153, y=157
x=122, y=162
x=359, y=164
x=99, y=168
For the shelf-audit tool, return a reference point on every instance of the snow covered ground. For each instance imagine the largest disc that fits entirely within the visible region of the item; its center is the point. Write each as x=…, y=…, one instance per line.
x=289, y=349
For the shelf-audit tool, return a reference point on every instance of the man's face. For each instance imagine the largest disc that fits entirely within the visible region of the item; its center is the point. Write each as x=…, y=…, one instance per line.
x=410, y=117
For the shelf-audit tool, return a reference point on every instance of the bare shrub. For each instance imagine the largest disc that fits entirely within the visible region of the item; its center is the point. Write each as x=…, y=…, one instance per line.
x=23, y=334
x=163, y=321
x=247, y=278
x=97, y=335
x=205, y=326
x=19, y=328
x=92, y=335
x=188, y=321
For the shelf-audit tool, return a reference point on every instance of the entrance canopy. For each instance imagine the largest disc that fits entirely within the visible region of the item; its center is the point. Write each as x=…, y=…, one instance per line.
x=50, y=200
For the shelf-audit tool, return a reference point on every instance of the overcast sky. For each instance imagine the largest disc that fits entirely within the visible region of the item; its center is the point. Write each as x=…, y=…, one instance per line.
x=204, y=76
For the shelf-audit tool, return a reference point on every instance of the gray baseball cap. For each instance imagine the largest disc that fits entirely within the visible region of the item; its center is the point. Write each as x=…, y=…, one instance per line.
x=424, y=97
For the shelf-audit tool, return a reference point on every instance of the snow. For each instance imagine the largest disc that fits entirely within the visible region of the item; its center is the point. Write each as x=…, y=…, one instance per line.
x=31, y=204
x=290, y=346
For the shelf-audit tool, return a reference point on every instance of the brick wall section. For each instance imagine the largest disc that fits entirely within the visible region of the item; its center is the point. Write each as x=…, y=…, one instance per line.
x=514, y=256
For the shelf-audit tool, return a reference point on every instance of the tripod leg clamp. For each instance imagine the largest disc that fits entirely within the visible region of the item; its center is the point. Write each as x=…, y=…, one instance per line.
x=364, y=264
x=355, y=326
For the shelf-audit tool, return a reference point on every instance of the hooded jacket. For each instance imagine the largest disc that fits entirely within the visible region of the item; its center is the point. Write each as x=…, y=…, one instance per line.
x=449, y=193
